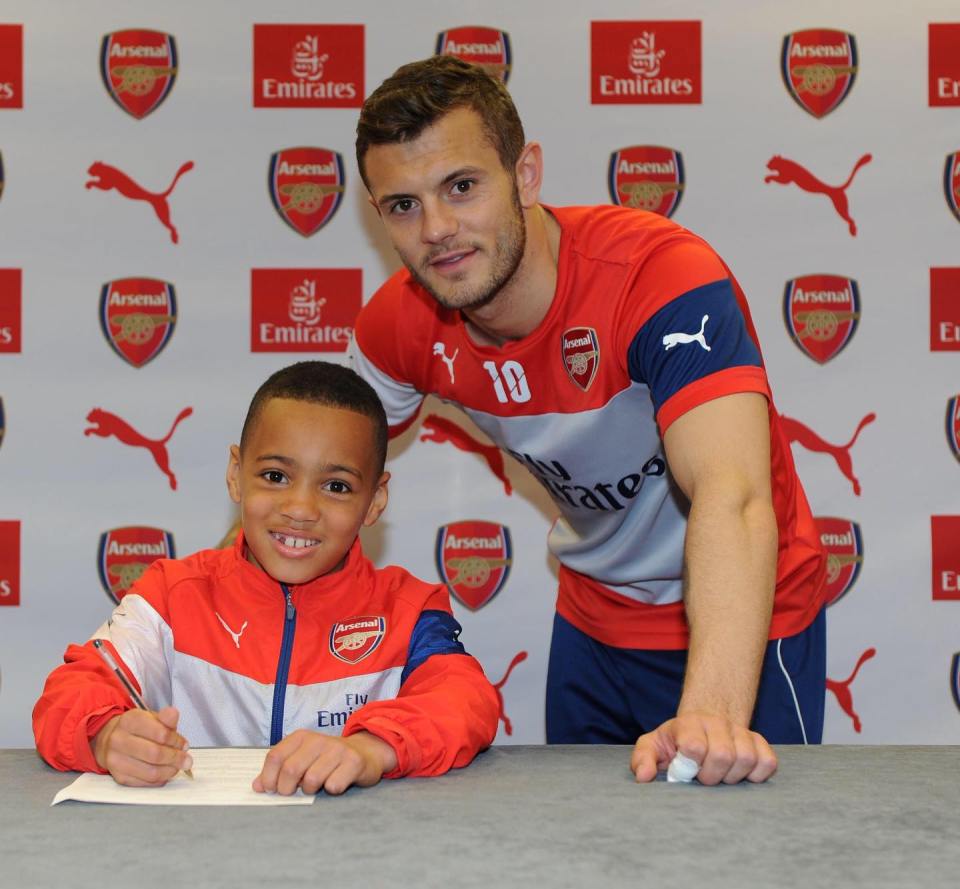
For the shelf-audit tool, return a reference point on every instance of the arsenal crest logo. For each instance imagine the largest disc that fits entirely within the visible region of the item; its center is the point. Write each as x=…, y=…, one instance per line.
x=953, y=425
x=647, y=177
x=306, y=186
x=821, y=313
x=138, y=69
x=354, y=639
x=841, y=539
x=580, y=351
x=486, y=47
x=474, y=559
x=819, y=67
x=137, y=316
x=125, y=553
x=951, y=183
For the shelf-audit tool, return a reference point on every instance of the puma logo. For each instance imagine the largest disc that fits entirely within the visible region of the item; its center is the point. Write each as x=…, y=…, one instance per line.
x=518, y=658
x=678, y=339
x=787, y=172
x=106, y=424
x=842, y=689
x=234, y=636
x=106, y=177
x=440, y=429
x=805, y=436
x=441, y=350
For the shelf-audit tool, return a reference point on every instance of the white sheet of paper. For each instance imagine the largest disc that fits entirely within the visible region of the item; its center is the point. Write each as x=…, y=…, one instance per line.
x=221, y=777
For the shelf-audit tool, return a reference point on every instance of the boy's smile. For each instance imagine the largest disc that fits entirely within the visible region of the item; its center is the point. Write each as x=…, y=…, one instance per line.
x=306, y=481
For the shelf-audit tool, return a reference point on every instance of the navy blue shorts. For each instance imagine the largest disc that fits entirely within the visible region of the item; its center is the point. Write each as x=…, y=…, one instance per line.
x=599, y=694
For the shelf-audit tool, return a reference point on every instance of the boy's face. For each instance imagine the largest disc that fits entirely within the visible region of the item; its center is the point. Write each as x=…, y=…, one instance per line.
x=306, y=481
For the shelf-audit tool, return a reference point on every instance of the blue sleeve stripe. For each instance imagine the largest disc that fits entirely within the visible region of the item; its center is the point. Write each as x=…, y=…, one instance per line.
x=435, y=632
x=697, y=334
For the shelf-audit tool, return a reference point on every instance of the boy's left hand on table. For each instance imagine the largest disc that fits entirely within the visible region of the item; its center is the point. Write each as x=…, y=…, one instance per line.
x=315, y=761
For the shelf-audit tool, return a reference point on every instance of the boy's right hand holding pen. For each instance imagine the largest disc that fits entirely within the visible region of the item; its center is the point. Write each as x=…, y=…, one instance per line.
x=142, y=748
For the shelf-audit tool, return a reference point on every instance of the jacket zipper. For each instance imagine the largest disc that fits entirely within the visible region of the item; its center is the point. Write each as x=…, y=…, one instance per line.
x=283, y=667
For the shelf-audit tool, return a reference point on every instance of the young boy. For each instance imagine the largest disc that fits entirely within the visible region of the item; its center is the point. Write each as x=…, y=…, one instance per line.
x=291, y=637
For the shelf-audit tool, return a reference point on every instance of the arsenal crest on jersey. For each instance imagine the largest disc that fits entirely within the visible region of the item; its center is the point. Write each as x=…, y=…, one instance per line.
x=821, y=313
x=486, y=47
x=474, y=559
x=953, y=425
x=580, y=351
x=647, y=177
x=306, y=186
x=137, y=316
x=353, y=639
x=819, y=67
x=841, y=539
x=125, y=553
x=138, y=69
x=951, y=183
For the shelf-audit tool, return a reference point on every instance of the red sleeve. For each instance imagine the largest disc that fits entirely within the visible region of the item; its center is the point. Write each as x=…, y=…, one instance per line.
x=445, y=714
x=82, y=694
x=680, y=264
x=78, y=699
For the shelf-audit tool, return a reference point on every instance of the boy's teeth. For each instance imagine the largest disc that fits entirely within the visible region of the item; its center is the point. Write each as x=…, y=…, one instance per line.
x=295, y=542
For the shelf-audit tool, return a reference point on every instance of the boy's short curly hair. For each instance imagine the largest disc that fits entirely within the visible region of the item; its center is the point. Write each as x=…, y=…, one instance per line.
x=331, y=385
x=415, y=96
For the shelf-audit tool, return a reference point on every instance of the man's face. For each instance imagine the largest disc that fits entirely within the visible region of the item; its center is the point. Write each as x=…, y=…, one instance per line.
x=451, y=210
x=306, y=481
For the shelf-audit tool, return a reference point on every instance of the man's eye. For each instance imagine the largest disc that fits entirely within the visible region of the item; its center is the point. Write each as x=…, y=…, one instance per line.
x=462, y=186
x=404, y=205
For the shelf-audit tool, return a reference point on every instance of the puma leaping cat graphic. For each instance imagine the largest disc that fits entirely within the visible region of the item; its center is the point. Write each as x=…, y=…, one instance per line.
x=234, y=636
x=680, y=338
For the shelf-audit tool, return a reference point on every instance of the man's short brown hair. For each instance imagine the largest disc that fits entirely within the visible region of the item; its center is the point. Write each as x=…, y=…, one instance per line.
x=419, y=94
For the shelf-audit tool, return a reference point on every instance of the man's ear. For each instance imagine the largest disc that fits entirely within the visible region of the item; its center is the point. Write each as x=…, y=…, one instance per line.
x=233, y=473
x=529, y=174
x=379, y=502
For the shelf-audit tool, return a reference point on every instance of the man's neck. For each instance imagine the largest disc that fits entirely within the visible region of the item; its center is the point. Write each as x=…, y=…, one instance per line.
x=524, y=301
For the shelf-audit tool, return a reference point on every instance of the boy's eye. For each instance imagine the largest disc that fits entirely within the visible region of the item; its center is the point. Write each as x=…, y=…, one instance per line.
x=274, y=476
x=336, y=486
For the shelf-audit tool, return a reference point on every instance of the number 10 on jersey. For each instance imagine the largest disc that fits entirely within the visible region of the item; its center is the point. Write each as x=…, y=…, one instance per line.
x=509, y=377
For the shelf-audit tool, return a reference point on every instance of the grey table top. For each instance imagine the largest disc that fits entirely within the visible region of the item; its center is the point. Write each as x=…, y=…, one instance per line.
x=519, y=816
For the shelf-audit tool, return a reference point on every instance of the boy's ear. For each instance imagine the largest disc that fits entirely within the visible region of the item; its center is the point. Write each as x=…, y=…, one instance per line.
x=379, y=502
x=233, y=474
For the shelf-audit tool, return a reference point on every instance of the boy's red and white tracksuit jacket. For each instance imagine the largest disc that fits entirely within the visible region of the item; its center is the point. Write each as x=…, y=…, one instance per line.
x=247, y=661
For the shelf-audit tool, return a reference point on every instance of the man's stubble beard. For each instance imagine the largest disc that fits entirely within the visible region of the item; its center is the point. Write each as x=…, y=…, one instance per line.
x=507, y=255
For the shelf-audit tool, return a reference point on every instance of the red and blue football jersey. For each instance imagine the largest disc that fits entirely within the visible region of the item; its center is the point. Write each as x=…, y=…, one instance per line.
x=646, y=323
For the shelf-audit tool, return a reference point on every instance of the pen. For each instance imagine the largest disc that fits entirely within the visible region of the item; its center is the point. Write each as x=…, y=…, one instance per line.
x=112, y=664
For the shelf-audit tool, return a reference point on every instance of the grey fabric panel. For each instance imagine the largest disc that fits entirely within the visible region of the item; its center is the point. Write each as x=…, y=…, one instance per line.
x=833, y=817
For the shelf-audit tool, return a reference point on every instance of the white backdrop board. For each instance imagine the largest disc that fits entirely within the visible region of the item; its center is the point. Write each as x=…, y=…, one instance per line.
x=885, y=347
